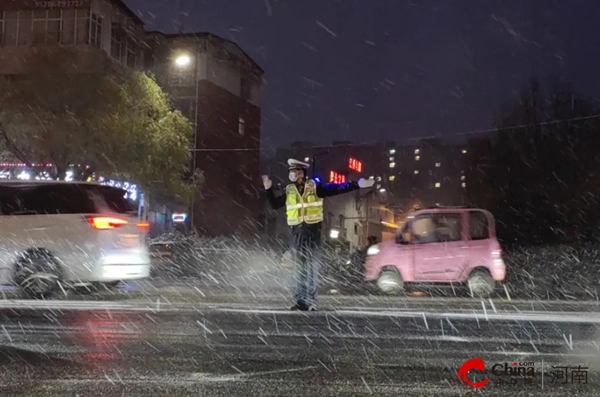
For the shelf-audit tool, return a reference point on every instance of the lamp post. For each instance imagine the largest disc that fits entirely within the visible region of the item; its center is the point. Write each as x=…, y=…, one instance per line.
x=182, y=61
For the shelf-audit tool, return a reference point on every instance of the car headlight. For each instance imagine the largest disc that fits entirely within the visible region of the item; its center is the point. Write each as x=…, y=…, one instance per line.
x=373, y=250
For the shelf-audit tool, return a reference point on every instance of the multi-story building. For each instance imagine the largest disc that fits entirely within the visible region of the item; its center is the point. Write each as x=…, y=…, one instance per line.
x=217, y=86
x=211, y=80
x=427, y=173
x=93, y=27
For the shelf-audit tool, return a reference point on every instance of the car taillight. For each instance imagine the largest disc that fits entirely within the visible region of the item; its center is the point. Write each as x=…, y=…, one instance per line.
x=143, y=227
x=106, y=222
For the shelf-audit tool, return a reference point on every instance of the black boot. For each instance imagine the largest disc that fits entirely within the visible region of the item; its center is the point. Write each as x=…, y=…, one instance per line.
x=299, y=306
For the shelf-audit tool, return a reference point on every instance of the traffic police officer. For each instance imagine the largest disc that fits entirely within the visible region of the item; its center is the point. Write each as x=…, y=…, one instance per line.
x=303, y=200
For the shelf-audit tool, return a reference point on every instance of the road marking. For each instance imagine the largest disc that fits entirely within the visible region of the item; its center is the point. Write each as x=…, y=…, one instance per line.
x=562, y=317
x=46, y=348
x=190, y=378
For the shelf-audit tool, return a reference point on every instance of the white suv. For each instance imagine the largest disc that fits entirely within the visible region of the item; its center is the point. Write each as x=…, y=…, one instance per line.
x=56, y=233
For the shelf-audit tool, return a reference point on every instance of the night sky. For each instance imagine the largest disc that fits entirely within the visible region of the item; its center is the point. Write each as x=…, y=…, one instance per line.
x=365, y=70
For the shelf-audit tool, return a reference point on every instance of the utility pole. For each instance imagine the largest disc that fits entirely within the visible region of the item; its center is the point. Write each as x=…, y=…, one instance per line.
x=195, y=151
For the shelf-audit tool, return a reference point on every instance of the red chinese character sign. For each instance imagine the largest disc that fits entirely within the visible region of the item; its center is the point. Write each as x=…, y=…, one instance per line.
x=336, y=177
x=355, y=165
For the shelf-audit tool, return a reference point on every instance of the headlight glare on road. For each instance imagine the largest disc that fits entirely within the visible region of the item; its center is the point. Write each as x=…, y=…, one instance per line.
x=373, y=250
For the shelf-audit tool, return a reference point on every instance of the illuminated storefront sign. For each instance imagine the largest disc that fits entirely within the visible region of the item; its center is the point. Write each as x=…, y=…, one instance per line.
x=336, y=177
x=355, y=165
x=179, y=218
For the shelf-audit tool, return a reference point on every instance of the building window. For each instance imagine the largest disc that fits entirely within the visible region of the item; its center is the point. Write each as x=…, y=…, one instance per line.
x=69, y=26
x=438, y=165
x=462, y=178
x=306, y=159
x=392, y=165
x=47, y=26
x=75, y=27
x=464, y=184
x=97, y=25
x=25, y=32
x=82, y=27
x=464, y=151
x=417, y=158
x=391, y=159
x=241, y=126
x=53, y=27
x=11, y=27
x=392, y=151
x=437, y=185
x=131, y=53
x=417, y=151
x=40, y=22
x=392, y=178
x=117, y=41
x=416, y=172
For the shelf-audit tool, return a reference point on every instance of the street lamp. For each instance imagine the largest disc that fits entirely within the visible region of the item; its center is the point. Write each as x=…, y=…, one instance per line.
x=182, y=60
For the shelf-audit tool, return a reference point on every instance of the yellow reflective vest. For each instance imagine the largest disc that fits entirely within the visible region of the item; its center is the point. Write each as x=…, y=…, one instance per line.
x=307, y=207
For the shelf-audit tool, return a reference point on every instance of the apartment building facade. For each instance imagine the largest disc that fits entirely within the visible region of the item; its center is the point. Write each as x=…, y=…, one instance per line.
x=218, y=87
x=219, y=91
x=93, y=27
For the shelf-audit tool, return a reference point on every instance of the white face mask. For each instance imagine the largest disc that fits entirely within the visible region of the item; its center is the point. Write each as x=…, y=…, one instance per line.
x=293, y=176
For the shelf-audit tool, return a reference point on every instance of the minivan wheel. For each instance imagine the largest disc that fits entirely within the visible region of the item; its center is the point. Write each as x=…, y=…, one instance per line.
x=481, y=284
x=38, y=274
x=390, y=282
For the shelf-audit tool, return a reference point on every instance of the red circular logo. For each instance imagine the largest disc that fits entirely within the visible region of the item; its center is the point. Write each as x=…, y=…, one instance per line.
x=474, y=363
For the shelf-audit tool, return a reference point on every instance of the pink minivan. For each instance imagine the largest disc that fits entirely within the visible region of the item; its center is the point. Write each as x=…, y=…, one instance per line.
x=441, y=245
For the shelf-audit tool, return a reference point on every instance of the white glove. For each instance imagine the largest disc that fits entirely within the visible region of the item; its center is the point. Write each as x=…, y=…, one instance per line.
x=267, y=182
x=364, y=183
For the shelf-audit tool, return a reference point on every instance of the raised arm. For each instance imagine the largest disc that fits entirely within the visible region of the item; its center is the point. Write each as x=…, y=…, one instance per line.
x=276, y=202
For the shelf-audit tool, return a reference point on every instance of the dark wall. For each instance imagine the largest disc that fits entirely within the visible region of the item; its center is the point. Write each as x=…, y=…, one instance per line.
x=231, y=198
